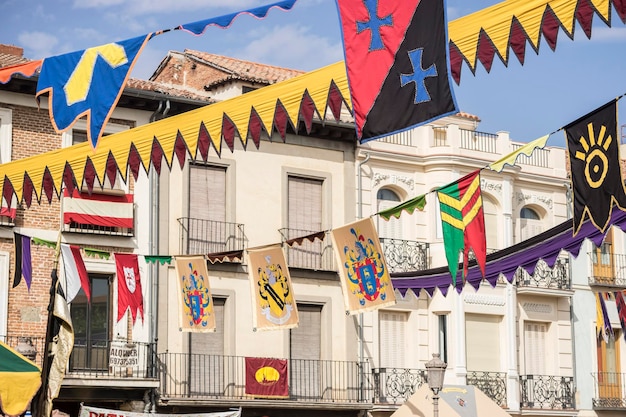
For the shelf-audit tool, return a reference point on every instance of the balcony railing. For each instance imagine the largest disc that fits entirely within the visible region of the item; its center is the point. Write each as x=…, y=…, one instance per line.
x=199, y=236
x=31, y=347
x=405, y=255
x=547, y=392
x=203, y=377
x=401, y=138
x=396, y=385
x=113, y=359
x=544, y=277
x=317, y=255
x=478, y=141
x=539, y=157
x=610, y=390
x=493, y=384
x=608, y=269
x=440, y=135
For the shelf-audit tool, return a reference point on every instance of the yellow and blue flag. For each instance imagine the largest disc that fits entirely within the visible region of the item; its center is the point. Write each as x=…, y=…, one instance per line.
x=88, y=82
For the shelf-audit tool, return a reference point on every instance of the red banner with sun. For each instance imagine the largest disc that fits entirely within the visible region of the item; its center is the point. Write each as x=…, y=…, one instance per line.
x=267, y=378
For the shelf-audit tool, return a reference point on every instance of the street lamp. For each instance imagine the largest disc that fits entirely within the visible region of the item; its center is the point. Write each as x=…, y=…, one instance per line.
x=435, y=370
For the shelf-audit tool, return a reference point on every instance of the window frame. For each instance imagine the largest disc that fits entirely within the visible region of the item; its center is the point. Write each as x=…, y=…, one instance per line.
x=6, y=135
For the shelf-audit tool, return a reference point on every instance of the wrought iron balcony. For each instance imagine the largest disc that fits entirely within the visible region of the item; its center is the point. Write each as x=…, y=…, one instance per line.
x=200, y=377
x=405, y=255
x=29, y=346
x=547, y=392
x=396, y=385
x=544, y=277
x=199, y=236
x=317, y=255
x=112, y=359
x=610, y=391
x=608, y=270
x=493, y=384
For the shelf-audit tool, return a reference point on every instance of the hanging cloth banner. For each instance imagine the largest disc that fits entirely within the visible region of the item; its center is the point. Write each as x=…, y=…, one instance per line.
x=198, y=28
x=396, y=58
x=593, y=147
x=363, y=272
x=86, y=411
x=20, y=379
x=88, y=82
x=526, y=150
x=463, y=223
x=196, y=303
x=129, y=292
x=274, y=302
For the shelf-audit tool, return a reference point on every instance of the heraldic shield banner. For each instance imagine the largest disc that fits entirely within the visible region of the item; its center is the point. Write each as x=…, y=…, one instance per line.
x=196, y=304
x=362, y=269
x=274, y=304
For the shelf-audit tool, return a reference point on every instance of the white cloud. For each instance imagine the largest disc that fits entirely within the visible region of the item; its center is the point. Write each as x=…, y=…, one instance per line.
x=294, y=47
x=38, y=44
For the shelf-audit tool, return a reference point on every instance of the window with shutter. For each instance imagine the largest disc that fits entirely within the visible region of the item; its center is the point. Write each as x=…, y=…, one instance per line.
x=392, y=331
x=207, y=360
x=535, y=348
x=208, y=231
x=530, y=223
x=609, y=376
x=393, y=227
x=304, y=216
x=482, y=338
x=305, y=353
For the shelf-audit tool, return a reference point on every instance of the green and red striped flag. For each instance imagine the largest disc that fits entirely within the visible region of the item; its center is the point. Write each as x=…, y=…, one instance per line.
x=463, y=222
x=20, y=380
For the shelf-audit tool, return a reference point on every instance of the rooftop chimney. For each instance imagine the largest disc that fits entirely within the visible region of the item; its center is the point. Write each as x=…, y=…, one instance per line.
x=11, y=50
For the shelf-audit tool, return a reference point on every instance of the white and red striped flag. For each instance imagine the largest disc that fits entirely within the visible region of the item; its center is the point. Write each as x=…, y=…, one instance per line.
x=76, y=276
x=108, y=210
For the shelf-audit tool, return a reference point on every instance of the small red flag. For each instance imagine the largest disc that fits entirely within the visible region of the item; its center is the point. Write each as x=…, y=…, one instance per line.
x=267, y=378
x=129, y=294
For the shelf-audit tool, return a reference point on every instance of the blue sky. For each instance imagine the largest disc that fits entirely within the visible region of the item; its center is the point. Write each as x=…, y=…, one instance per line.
x=550, y=90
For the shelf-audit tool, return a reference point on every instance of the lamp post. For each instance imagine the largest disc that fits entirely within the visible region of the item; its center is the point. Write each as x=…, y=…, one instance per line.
x=435, y=370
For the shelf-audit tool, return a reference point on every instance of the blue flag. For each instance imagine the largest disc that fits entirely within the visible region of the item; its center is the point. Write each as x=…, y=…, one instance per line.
x=88, y=82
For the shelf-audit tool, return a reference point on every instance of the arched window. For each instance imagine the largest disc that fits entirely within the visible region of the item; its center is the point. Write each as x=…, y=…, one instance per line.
x=530, y=223
x=492, y=229
x=528, y=213
x=392, y=228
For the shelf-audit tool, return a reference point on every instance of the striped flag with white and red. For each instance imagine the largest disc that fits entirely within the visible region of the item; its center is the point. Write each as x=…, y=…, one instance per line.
x=109, y=210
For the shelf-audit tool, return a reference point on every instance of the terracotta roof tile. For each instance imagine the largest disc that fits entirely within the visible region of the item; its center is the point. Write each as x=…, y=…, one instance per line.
x=170, y=90
x=232, y=68
x=468, y=116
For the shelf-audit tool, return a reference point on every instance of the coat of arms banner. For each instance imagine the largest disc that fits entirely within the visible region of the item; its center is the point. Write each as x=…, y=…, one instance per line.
x=362, y=269
x=274, y=303
x=196, y=304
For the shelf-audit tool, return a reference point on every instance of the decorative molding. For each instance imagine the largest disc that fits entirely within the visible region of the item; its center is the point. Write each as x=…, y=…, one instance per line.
x=494, y=187
x=533, y=198
x=488, y=300
x=538, y=308
x=393, y=179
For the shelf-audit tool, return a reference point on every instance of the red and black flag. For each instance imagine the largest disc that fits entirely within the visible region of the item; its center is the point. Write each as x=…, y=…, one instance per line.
x=593, y=146
x=396, y=55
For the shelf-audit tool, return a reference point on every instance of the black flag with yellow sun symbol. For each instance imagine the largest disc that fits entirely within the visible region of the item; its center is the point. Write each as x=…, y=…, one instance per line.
x=593, y=145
